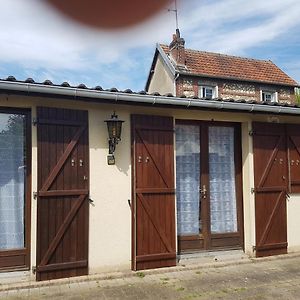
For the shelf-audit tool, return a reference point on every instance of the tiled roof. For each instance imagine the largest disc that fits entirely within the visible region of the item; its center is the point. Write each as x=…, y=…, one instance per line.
x=225, y=66
x=113, y=90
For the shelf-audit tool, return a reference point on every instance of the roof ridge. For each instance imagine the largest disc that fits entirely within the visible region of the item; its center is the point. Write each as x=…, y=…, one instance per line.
x=223, y=54
x=230, y=55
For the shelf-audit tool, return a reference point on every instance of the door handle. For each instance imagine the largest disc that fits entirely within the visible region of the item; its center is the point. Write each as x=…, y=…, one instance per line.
x=203, y=191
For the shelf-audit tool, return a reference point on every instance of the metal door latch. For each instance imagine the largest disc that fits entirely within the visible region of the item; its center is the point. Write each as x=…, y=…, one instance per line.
x=203, y=191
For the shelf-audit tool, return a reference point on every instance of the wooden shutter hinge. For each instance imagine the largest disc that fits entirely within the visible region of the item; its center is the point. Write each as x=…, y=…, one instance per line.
x=34, y=121
x=252, y=190
x=33, y=269
x=251, y=132
x=34, y=195
x=253, y=248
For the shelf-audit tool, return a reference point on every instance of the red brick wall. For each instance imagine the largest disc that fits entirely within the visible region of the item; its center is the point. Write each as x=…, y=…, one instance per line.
x=189, y=86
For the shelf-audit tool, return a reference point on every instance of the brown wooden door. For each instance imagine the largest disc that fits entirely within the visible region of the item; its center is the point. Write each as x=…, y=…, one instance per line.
x=271, y=184
x=63, y=189
x=293, y=139
x=153, y=208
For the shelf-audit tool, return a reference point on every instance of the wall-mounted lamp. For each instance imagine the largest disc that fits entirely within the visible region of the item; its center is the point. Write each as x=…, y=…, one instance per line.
x=114, y=128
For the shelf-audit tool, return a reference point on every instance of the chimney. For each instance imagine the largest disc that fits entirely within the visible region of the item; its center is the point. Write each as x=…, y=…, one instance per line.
x=177, y=50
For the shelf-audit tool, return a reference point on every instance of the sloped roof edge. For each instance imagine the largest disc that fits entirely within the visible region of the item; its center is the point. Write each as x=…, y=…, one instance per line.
x=159, y=50
x=128, y=97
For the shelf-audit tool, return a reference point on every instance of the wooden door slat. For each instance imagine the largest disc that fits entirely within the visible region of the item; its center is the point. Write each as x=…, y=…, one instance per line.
x=154, y=159
x=63, y=159
x=155, y=222
x=62, y=230
x=271, y=219
x=60, y=122
x=63, y=266
x=272, y=246
x=155, y=191
x=269, y=163
x=55, y=193
x=153, y=257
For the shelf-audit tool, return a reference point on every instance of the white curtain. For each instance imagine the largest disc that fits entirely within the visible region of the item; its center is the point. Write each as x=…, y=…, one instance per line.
x=222, y=180
x=12, y=178
x=187, y=179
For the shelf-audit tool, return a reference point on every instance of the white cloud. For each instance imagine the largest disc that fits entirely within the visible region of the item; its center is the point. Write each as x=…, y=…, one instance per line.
x=232, y=26
x=46, y=46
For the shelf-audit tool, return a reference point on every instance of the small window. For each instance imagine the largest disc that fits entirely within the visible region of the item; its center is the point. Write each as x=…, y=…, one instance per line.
x=269, y=96
x=208, y=92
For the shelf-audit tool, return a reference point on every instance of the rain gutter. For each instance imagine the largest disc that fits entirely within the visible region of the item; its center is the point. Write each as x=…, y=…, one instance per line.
x=123, y=97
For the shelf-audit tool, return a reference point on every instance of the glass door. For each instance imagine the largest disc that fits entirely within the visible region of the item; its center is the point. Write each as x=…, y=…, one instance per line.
x=208, y=186
x=14, y=174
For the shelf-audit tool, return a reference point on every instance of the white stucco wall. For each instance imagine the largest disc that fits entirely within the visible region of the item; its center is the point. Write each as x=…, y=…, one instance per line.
x=162, y=80
x=293, y=222
x=110, y=186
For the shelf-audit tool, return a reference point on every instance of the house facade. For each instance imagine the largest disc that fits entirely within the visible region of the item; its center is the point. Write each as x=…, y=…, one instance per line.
x=188, y=176
x=200, y=74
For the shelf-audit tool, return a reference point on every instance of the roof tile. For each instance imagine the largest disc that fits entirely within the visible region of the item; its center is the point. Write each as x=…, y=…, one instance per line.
x=226, y=66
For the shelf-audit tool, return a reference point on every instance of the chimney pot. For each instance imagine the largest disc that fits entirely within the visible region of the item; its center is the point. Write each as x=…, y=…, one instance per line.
x=177, y=49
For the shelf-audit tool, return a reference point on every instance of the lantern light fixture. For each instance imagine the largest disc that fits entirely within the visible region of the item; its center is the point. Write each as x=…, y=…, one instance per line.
x=114, y=128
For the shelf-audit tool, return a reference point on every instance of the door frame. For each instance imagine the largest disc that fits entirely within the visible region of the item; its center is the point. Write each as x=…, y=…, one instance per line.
x=206, y=240
x=22, y=254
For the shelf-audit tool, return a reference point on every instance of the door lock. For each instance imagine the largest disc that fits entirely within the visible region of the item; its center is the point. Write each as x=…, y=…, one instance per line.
x=203, y=191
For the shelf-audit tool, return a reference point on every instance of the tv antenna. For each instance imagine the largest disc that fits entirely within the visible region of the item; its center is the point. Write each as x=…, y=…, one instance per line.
x=175, y=10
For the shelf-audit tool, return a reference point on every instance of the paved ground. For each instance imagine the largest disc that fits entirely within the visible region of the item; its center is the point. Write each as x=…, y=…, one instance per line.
x=271, y=279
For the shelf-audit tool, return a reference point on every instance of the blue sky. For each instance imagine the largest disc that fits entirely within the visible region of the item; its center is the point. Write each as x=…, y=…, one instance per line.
x=39, y=43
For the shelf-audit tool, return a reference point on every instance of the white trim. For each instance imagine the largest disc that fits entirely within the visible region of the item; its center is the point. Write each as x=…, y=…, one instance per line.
x=204, y=86
x=272, y=94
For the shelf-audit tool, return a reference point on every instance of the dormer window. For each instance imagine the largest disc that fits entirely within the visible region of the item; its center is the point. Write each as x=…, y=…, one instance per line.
x=208, y=92
x=269, y=96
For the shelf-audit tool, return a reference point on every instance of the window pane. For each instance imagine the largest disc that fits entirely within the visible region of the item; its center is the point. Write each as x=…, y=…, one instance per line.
x=209, y=93
x=187, y=179
x=222, y=180
x=12, y=180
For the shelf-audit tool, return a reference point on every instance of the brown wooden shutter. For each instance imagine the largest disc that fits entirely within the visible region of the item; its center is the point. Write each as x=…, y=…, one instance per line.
x=293, y=139
x=271, y=184
x=153, y=191
x=63, y=189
